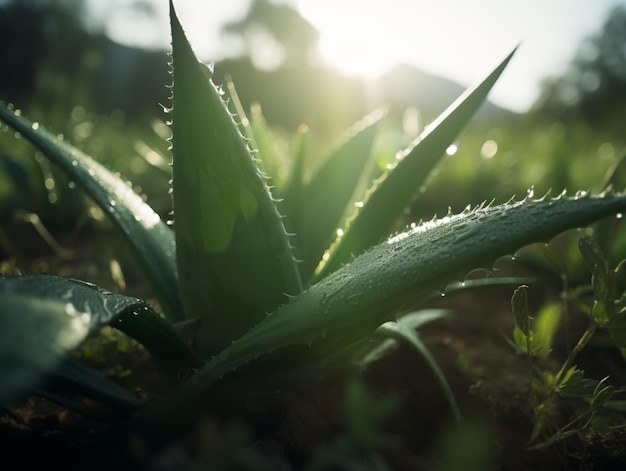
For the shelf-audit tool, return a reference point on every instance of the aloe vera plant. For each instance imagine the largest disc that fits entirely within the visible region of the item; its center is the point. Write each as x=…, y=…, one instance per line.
x=256, y=277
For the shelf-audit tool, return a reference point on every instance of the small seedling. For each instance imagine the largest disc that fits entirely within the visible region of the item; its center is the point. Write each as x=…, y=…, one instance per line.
x=533, y=338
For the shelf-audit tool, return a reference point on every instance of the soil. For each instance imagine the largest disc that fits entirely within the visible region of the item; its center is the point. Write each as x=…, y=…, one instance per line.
x=287, y=425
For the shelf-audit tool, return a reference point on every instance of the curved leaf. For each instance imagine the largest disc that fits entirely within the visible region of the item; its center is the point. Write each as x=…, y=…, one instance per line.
x=42, y=319
x=74, y=377
x=331, y=194
x=399, y=187
x=352, y=302
x=405, y=330
x=45, y=317
x=234, y=255
x=150, y=238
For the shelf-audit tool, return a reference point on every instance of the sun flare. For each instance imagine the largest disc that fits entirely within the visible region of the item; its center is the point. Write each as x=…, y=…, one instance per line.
x=367, y=38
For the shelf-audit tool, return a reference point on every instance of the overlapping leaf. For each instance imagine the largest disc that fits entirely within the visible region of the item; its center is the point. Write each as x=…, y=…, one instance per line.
x=350, y=303
x=234, y=256
x=331, y=194
x=42, y=319
x=152, y=241
x=397, y=190
x=45, y=317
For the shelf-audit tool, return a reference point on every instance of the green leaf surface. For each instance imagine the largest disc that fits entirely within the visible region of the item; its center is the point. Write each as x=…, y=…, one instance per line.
x=42, y=319
x=72, y=377
x=546, y=325
x=330, y=196
x=171, y=352
x=602, y=395
x=398, y=188
x=234, y=256
x=150, y=238
x=352, y=302
x=592, y=254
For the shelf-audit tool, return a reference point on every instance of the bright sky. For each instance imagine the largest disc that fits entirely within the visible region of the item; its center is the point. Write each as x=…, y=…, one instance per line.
x=458, y=39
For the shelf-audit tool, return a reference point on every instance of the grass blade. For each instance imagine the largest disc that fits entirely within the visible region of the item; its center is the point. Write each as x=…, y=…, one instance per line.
x=404, y=330
x=400, y=186
x=234, y=255
x=150, y=238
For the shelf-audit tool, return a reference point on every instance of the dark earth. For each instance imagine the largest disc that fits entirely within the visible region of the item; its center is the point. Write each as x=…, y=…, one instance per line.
x=284, y=424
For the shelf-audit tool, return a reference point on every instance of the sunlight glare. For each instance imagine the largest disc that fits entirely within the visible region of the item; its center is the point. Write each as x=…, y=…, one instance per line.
x=356, y=38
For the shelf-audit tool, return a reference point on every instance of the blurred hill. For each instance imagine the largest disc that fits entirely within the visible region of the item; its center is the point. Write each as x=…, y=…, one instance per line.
x=405, y=85
x=49, y=58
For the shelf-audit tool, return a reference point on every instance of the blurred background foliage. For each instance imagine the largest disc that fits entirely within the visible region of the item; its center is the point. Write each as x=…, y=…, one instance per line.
x=107, y=99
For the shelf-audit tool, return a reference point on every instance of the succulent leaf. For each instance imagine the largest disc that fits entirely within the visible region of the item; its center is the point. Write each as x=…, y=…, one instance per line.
x=234, y=256
x=399, y=187
x=329, y=197
x=43, y=318
x=353, y=301
x=150, y=238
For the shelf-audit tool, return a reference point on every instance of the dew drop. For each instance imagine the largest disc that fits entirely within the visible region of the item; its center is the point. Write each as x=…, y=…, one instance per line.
x=618, y=215
x=71, y=185
x=74, y=163
x=452, y=149
x=112, y=203
x=35, y=126
x=17, y=135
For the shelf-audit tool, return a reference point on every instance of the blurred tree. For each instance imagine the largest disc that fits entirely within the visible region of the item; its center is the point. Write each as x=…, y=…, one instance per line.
x=275, y=70
x=594, y=86
x=29, y=30
x=51, y=59
x=294, y=36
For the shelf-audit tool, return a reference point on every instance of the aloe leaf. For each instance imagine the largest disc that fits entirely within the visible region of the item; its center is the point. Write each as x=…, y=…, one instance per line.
x=264, y=139
x=150, y=238
x=331, y=194
x=43, y=318
x=353, y=301
x=170, y=351
x=261, y=139
x=234, y=256
x=295, y=185
x=74, y=377
x=400, y=186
